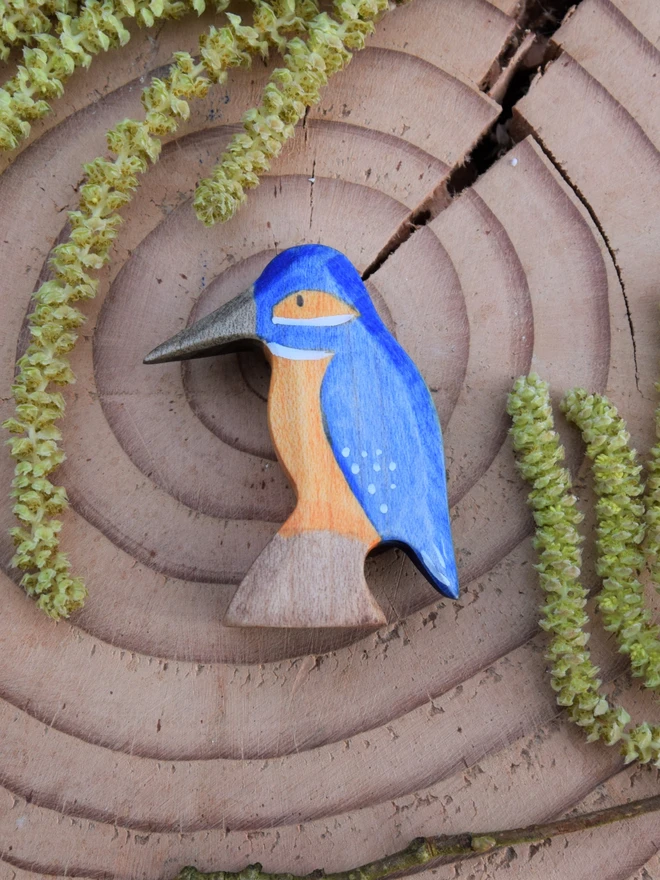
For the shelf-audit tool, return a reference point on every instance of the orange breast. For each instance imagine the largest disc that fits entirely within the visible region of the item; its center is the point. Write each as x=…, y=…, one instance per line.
x=325, y=500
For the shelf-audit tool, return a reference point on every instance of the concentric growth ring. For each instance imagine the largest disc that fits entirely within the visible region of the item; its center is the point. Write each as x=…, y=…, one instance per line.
x=163, y=738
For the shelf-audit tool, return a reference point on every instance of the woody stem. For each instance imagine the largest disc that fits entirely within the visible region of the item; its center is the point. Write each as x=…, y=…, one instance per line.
x=423, y=850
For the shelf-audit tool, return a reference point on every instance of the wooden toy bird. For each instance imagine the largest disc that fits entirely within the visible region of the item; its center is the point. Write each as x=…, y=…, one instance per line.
x=354, y=427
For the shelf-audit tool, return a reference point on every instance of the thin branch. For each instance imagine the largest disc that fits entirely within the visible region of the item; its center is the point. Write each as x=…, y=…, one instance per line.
x=423, y=850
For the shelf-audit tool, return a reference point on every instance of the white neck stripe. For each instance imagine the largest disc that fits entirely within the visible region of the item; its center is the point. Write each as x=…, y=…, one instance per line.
x=297, y=354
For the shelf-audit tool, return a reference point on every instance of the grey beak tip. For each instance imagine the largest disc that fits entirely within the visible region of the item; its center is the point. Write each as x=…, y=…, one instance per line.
x=154, y=357
x=235, y=321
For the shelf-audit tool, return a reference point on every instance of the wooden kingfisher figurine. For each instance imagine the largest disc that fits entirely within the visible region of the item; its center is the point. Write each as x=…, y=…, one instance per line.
x=355, y=429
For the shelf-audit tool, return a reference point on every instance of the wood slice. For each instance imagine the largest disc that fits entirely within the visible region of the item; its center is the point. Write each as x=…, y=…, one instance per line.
x=622, y=131
x=142, y=735
x=645, y=17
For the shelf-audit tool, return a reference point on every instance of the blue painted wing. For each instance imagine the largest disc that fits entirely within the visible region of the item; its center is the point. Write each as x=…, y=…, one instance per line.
x=385, y=434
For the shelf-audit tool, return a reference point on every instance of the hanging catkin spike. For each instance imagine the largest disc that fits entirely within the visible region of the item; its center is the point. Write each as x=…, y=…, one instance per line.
x=574, y=677
x=291, y=90
x=620, y=530
x=23, y=21
x=109, y=185
x=52, y=57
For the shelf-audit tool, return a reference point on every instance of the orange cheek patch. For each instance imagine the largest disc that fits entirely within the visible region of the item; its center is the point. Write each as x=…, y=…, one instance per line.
x=310, y=304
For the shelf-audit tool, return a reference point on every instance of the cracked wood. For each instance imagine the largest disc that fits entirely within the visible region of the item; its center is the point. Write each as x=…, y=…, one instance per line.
x=142, y=736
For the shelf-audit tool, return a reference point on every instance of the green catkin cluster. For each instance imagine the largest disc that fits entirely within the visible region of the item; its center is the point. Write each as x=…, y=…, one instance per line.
x=652, y=499
x=574, y=676
x=51, y=58
x=23, y=20
x=291, y=90
x=109, y=185
x=621, y=528
x=94, y=226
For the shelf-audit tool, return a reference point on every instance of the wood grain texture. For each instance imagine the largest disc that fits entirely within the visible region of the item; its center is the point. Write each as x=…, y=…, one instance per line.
x=472, y=35
x=141, y=735
x=307, y=578
x=510, y=7
x=624, y=137
x=645, y=17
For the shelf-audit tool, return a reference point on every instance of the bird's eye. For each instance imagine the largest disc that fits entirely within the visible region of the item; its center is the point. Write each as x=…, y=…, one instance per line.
x=313, y=307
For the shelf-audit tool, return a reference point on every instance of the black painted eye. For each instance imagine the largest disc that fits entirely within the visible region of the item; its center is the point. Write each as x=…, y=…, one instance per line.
x=300, y=300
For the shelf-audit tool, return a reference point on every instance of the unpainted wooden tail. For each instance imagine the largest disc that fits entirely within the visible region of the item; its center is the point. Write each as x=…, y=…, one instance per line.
x=310, y=579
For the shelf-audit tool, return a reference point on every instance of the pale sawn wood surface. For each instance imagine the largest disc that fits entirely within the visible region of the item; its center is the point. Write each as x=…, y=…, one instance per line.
x=141, y=735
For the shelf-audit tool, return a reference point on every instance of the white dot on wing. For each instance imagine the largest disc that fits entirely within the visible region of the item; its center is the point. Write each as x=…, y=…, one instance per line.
x=371, y=489
x=376, y=467
x=383, y=508
x=392, y=466
x=346, y=452
x=364, y=454
x=392, y=485
x=355, y=468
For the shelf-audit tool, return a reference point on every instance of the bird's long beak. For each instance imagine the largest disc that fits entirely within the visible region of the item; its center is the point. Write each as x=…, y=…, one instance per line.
x=230, y=328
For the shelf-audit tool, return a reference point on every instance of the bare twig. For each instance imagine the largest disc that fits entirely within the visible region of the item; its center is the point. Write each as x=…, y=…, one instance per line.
x=423, y=850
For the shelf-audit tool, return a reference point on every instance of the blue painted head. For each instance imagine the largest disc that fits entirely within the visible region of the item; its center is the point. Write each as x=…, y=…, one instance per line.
x=309, y=298
x=290, y=285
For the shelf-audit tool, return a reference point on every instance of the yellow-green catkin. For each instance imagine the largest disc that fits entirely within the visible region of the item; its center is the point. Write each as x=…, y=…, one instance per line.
x=290, y=91
x=621, y=526
x=21, y=21
x=52, y=57
x=108, y=187
x=652, y=504
x=539, y=454
x=574, y=677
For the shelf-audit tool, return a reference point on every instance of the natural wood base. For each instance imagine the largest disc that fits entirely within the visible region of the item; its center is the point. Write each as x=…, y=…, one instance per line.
x=312, y=579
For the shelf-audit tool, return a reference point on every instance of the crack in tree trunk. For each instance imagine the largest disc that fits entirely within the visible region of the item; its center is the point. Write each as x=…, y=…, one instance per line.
x=540, y=19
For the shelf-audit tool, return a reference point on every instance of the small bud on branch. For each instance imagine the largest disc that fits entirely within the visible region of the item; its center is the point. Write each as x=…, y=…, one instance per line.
x=424, y=850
